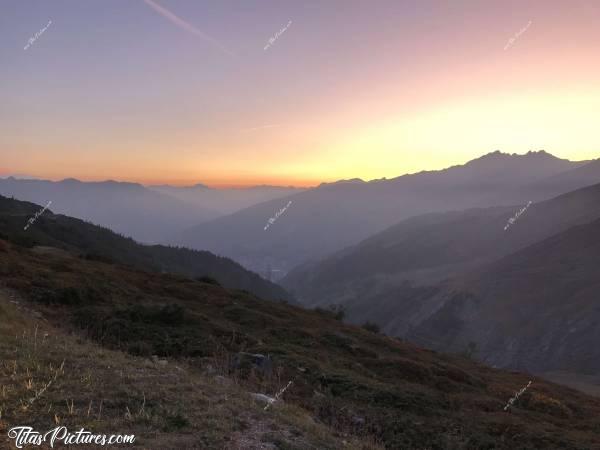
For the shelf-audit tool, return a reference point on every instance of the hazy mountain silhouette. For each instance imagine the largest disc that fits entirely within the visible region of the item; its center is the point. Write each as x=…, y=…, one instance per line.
x=127, y=208
x=226, y=200
x=426, y=249
x=326, y=219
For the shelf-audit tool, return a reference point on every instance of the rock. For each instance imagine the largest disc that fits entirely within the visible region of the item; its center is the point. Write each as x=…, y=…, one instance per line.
x=243, y=360
x=262, y=398
x=318, y=394
x=358, y=421
x=209, y=369
x=220, y=379
x=159, y=361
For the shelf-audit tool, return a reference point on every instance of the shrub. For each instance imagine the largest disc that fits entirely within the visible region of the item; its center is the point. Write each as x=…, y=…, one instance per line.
x=175, y=422
x=140, y=348
x=171, y=314
x=24, y=240
x=208, y=280
x=336, y=311
x=63, y=296
x=371, y=326
x=99, y=258
x=470, y=351
x=69, y=296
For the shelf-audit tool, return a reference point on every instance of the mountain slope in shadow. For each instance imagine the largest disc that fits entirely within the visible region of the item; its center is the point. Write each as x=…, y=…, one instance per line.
x=427, y=249
x=536, y=309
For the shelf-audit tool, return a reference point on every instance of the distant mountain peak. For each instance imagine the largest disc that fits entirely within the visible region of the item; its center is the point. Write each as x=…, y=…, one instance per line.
x=541, y=154
x=530, y=153
x=170, y=186
x=350, y=181
x=17, y=176
x=70, y=180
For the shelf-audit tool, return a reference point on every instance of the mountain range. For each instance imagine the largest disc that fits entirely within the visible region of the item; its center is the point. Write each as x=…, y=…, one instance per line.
x=328, y=218
x=428, y=248
x=147, y=214
x=226, y=200
x=523, y=296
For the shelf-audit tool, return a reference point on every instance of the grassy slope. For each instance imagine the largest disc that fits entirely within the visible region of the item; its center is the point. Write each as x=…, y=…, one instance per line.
x=351, y=380
x=164, y=406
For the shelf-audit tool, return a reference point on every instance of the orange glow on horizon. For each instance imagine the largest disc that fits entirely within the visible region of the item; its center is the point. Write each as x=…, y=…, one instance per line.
x=346, y=112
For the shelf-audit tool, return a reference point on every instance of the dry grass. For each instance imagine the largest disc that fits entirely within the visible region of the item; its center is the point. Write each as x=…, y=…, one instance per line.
x=49, y=379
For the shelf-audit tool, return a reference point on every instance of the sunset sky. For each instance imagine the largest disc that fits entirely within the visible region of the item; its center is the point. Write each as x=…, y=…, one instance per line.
x=183, y=91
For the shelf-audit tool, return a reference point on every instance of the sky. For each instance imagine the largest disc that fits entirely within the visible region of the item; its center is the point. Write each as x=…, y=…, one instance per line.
x=184, y=91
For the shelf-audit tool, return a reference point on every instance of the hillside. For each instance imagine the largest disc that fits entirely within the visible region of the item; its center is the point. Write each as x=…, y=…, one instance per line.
x=348, y=383
x=326, y=219
x=536, y=309
x=94, y=242
x=424, y=250
x=50, y=379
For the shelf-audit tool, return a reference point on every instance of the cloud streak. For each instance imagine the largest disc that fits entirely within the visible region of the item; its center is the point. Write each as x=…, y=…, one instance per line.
x=186, y=26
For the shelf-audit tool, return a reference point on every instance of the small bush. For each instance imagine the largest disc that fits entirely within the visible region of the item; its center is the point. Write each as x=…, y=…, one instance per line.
x=171, y=314
x=471, y=351
x=371, y=326
x=175, y=422
x=64, y=296
x=140, y=348
x=336, y=311
x=69, y=296
x=538, y=401
x=99, y=258
x=24, y=240
x=208, y=280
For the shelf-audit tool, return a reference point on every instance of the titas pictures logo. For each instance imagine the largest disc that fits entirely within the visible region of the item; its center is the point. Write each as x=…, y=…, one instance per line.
x=24, y=436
